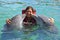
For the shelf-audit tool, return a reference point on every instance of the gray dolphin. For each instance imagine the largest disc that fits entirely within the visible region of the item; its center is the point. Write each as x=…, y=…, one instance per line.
x=45, y=24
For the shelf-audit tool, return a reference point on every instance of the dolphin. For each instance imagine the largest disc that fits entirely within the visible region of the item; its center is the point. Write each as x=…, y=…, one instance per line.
x=45, y=24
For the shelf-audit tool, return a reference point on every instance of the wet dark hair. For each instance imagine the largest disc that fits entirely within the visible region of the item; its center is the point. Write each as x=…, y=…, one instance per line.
x=29, y=8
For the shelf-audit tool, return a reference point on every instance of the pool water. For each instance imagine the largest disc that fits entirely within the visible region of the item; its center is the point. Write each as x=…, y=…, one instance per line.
x=10, y=8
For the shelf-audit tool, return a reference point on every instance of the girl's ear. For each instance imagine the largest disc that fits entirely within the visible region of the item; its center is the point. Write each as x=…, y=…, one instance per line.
x=23, y=11
x=34, y=11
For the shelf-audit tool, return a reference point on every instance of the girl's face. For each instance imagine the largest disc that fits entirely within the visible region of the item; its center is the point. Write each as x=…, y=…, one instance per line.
x=29, y=12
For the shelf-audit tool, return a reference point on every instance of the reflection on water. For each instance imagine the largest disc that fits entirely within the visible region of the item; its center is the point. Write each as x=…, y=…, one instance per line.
x=8, y=9
x=26, y=35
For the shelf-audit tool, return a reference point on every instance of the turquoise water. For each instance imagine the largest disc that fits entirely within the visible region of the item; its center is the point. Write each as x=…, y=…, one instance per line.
x=10, y=8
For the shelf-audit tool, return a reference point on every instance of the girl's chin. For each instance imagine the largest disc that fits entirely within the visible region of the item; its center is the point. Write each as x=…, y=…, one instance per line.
x=28, y=16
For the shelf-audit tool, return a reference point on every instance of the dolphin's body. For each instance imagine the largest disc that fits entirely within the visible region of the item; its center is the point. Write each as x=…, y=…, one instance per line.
x=40, y=19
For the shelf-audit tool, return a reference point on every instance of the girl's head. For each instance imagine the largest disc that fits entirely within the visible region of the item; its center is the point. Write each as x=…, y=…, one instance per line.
x=29, y=10
x=29, y=7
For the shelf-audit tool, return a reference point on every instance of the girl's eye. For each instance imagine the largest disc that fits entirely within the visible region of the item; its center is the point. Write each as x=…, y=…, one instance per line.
x=28, y=11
